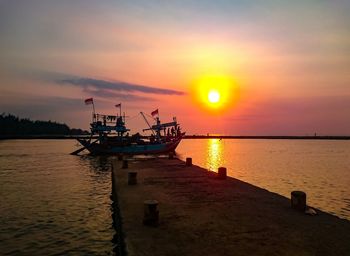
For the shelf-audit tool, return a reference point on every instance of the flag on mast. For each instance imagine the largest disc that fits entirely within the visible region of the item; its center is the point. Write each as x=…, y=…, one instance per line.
x=120, y=108
x=89, y=101
x=155, y=112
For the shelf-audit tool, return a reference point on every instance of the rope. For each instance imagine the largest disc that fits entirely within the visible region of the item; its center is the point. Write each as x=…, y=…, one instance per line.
x=134, y=116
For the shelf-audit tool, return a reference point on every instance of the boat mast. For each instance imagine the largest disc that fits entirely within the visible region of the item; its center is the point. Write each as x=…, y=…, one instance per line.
x=93, y=112
x=147, y=122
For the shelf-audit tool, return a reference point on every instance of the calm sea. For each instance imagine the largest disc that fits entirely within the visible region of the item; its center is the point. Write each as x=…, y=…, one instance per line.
x=321, y=168
x=52, y=203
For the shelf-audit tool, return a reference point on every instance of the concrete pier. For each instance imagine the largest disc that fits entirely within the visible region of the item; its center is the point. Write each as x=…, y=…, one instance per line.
x=202, y=215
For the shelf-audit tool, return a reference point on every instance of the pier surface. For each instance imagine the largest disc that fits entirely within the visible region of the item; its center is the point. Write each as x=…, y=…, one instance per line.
x=202, y=215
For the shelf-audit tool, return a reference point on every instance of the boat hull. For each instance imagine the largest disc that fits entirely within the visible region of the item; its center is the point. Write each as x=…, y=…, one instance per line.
x=133, y=149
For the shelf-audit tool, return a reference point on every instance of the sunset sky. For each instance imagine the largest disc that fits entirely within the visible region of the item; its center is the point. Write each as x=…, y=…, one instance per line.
x=280, y=67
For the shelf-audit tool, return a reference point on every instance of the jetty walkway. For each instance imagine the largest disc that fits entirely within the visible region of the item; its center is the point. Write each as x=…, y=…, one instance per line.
x=202, y=215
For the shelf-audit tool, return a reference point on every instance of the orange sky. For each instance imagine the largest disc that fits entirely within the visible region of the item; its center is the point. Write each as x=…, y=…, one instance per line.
x=286, y=63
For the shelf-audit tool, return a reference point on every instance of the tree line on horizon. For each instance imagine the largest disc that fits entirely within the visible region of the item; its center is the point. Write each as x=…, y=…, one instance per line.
x=13, y=125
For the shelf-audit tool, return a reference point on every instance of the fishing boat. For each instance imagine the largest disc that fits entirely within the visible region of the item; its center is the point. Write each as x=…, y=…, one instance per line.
x=109, y=135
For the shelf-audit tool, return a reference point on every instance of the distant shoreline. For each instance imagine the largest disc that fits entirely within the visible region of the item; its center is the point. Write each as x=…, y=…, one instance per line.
x=42, y=137
x=56, y=137
x=268, y=137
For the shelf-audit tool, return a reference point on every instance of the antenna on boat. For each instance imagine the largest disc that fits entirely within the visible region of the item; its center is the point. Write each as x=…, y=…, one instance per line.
x=93, y=109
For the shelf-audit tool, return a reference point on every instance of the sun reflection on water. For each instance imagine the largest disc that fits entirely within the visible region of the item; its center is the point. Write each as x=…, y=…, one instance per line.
x=214, y=154
x=282, y=166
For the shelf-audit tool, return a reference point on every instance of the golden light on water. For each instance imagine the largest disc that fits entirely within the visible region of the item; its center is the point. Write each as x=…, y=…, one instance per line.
x=214, y=154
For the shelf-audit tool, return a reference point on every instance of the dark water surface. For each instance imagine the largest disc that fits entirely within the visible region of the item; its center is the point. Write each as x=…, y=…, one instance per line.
x=53, y=203
x=321, y=168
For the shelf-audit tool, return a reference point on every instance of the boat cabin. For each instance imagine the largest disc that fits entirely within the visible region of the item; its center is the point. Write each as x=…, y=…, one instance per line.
x=108, y=123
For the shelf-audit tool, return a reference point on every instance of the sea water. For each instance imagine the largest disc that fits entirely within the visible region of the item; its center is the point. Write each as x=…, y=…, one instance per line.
x=53, y=203
x=321, y=168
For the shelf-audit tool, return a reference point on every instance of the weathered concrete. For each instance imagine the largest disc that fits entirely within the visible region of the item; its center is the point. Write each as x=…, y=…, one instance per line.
x=202, y=215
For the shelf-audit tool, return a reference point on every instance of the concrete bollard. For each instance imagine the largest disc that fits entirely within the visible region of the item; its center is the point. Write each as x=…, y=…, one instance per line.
x=222, y=173
x=188, y=161
x=171, y=155
x=298, y=200
x=132, y=178
x=120, y=157
x=151, y=213
x=125, y=164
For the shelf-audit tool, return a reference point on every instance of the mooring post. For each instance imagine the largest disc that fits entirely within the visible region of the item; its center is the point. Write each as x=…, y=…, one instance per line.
x=171, y=155
x=132, y=178
x=298, y=200
x=125, y=164
x=151, y=213
x=189, y=161
x=222, y=173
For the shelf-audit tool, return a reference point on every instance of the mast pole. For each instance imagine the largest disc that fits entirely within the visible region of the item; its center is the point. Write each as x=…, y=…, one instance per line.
x=93, y=111
x=147, y=122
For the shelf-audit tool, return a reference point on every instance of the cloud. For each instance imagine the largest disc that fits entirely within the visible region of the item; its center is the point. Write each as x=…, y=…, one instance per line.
x=103, y=93
x=117, y=86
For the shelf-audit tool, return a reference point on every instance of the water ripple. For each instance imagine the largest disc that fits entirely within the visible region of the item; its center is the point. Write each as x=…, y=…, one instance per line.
x=320, y=168
x=52, y=202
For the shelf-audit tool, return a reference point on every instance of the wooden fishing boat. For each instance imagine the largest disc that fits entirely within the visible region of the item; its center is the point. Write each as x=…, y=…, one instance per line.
x=109, y=135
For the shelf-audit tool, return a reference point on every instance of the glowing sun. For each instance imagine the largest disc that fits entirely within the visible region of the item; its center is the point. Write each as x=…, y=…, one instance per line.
x=213, y=96
x=215, y=93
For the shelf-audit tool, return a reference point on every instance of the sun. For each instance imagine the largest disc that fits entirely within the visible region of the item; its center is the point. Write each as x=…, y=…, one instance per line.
x=214, y=96
x=215, y=93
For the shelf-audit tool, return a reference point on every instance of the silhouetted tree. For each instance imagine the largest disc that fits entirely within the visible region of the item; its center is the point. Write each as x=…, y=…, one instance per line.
x=13, y=125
